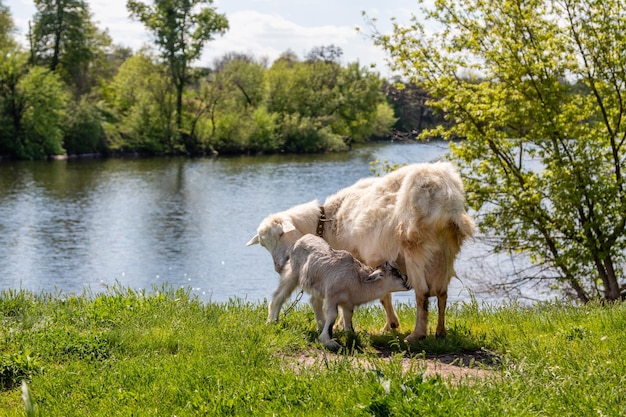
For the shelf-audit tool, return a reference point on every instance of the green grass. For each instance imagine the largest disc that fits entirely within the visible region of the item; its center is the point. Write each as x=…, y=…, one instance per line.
x=164, y=353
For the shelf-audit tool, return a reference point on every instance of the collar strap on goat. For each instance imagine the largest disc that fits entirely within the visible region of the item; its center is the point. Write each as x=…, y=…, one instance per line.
x=320, y=222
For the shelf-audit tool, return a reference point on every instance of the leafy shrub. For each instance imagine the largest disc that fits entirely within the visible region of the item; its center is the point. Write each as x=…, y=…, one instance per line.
x=266, y=135
x=83, y=128
x=32, y=106
x=17, y=367
x=303, y=134
x=231, y=133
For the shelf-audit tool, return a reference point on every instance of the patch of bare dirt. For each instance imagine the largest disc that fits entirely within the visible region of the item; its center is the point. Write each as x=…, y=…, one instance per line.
x=454, y=368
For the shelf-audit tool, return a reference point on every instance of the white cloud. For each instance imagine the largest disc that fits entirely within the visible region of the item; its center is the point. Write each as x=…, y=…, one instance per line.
x=113, y=16
x=269, y=35
x=263, y=28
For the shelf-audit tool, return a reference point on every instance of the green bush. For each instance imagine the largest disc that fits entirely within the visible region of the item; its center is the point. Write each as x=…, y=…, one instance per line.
x=83, y=132
x=232, y=132
x=32, y=108
x=265, y=136
x=305, y=135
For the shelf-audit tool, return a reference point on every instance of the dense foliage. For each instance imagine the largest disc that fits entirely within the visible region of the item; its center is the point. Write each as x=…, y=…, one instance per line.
x=32, y=108
x=65, y=40
x=537, y=89
x=99, y=98
x=180, y=28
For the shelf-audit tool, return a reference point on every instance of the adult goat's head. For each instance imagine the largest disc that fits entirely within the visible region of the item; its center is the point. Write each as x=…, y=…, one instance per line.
x=276, y=234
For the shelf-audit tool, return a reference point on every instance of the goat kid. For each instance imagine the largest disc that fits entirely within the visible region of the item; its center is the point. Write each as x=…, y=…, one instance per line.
x=334, y=277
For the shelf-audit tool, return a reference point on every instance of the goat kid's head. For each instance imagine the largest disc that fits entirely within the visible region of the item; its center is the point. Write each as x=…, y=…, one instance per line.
x=277, y=235
x=390, y=271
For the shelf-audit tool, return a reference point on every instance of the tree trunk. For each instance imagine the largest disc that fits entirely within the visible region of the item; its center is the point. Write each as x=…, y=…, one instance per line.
x=179, y=105
x=578, y=289
x=58, y=33
x=607, y=273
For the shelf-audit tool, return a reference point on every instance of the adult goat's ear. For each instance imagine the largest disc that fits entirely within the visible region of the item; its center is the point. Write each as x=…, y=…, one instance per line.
x=288, y=226
x=253, y=241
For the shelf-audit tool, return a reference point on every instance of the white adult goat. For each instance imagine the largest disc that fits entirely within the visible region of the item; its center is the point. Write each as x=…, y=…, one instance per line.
x=335, y=278
x=414, y=216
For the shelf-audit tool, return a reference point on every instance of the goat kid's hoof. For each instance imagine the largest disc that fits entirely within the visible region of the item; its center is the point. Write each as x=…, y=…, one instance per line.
x=332, y=345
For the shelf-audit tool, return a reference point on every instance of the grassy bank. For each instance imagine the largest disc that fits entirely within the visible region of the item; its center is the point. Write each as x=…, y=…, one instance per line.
x=163, y=353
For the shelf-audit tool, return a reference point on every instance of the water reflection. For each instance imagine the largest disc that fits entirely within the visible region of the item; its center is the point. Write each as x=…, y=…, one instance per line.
x=76, y=225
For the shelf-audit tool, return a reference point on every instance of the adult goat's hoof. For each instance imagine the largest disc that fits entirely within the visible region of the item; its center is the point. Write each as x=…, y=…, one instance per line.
x=391, y=327
x=412, y=338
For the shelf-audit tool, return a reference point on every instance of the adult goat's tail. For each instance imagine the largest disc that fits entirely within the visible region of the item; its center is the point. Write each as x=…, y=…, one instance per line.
x=465, y=225
x=437, y=195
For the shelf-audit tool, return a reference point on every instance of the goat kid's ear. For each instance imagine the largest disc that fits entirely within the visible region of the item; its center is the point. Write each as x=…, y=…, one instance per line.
x=253, y=241
x=392, y=265
x=374, y=276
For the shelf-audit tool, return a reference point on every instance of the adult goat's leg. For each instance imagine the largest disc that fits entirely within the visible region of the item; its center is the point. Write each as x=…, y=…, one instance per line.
x=392, y=320
x=415, y=272
x=421, y=320
x=441, y=321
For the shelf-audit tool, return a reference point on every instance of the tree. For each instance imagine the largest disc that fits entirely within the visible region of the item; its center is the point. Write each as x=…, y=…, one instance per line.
x=361, y=110
x=83, y=132
x=347, y=102
x=537, y=89
x=409, y=104
x=64, y=39
x=330, y=53
x=180, y=28
x=143, y=98
x=307, y=88
x=32, y=109
x=7, y=27
x=222, y=114
x=244, y=74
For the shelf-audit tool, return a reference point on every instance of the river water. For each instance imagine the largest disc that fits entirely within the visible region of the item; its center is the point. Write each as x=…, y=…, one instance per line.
x=84, y=225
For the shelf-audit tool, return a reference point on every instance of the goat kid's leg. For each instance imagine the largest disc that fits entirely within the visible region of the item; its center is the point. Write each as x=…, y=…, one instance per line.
x=441, y=321
x=341, y=320
x=393, y=322
x=284, y=290
x=347, y=318
x=421, y=321
x=326, y=336
x=317, y=303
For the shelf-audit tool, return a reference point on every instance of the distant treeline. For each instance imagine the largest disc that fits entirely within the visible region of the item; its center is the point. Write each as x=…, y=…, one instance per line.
x=72, y=91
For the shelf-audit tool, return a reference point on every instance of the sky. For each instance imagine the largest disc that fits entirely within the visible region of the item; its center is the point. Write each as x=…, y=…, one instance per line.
x=262, y=28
